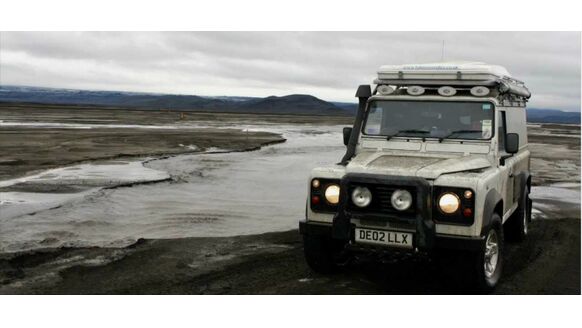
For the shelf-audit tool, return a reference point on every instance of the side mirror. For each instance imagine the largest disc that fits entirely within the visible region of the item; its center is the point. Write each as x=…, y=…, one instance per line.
x=512, y=143
x=347, y=134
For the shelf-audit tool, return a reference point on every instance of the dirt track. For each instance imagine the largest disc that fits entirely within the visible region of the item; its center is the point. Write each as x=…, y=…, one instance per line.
x=547, y=263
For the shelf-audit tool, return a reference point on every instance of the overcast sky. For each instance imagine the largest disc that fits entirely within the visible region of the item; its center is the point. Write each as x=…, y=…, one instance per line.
x=328, y=65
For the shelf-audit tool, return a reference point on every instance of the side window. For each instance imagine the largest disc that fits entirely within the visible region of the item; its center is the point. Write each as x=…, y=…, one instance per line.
x=501, y=131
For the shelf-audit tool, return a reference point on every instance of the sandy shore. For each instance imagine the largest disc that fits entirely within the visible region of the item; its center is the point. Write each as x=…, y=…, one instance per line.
x=273, y=263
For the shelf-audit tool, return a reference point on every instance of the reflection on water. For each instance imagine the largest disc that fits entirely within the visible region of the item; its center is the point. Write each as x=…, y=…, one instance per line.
x=559, y=200
x=217, y=194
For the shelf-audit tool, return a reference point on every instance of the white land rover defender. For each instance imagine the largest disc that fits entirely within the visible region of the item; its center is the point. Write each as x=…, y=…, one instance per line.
x=437, y=162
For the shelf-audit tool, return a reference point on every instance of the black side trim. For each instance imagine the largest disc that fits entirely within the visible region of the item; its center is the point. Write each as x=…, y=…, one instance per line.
x=491, y=200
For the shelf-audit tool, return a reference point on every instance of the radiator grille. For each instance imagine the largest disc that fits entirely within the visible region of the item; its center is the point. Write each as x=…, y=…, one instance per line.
x=381, y=200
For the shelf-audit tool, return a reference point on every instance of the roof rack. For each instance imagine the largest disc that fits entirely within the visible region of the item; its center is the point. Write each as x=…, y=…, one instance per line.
x=465, y=74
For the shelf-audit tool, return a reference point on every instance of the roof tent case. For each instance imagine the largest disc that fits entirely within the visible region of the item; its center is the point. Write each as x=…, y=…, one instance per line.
x=453, y=74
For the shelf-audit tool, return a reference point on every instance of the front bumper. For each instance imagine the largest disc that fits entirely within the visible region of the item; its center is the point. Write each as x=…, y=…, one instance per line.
x=441, y=241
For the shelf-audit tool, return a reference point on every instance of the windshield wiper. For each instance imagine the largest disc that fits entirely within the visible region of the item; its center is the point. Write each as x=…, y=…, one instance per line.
x=459, y=132
x=406, y=131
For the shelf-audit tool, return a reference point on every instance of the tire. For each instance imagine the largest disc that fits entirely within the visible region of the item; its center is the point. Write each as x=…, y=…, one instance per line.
x=488, y=261
x=322, y=253
x=517, y=227
x=466, y=269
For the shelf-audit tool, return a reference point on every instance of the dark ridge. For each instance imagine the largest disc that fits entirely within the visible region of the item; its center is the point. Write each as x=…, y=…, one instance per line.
x=299, y=104
x=293, y=104
x=536, y=115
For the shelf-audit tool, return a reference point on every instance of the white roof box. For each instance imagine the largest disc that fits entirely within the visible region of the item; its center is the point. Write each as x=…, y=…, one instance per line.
x=451, y=74
x=475, y=71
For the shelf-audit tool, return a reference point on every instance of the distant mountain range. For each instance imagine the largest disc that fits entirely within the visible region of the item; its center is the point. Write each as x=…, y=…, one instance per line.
x=536, y=115
x=292, y=104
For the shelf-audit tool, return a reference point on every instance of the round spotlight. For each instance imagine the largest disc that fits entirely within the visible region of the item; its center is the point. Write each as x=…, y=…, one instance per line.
x=315, y=183
x=415, y=90
x=447, y=91
x=449, y=203
x=401, y=199
x=361, y=196
x=385, y=90
x=468, y=194
x=332, y=193
x=479, y=91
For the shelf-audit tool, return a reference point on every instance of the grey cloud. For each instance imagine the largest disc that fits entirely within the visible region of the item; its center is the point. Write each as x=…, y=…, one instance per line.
x=327, y=64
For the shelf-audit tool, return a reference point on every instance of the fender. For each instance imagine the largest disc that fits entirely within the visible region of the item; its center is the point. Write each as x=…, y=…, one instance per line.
x=521, y=181
x=491, y=200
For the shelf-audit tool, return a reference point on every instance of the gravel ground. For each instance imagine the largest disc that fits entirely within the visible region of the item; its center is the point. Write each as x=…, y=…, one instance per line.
x=547, y=263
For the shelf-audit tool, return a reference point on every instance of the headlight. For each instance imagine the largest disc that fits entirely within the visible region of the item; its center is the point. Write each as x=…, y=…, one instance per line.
x=332, y=194
x=401, y=199
x=449, y=203
x=361, y=196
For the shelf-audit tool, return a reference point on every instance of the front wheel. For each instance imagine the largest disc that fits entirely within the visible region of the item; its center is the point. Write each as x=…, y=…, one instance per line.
x=488, y=261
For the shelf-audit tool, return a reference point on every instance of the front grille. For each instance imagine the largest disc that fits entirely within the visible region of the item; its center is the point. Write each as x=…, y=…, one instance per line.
x=381, y=200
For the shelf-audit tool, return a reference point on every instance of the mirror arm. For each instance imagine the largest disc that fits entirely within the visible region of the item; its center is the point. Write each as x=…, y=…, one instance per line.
x=503, y=158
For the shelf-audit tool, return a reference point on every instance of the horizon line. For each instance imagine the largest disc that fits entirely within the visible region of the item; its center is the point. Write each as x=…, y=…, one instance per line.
x=235, y=96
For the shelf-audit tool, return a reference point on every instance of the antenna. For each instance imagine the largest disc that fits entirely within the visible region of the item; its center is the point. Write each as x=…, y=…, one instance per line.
x=443, y=52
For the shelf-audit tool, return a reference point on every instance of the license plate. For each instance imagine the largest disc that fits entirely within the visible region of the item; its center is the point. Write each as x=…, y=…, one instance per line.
x=382, y=237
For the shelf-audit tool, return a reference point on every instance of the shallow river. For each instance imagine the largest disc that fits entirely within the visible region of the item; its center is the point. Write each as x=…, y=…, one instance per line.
x=212, y=194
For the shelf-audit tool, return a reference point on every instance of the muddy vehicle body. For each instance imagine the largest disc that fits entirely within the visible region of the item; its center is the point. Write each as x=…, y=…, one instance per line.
x=437, y=163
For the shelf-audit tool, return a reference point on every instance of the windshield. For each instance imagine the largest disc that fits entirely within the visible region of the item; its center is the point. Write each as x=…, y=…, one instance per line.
x=430, y=119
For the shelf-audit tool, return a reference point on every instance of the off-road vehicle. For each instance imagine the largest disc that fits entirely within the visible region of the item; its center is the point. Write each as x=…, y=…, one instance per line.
x=437, y=162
